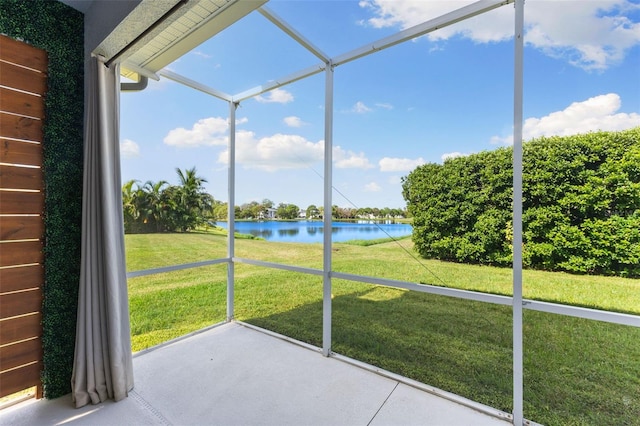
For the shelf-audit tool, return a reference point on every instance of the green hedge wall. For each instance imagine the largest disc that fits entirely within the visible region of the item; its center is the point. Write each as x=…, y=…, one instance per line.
x=581, y=201
x=58, y=29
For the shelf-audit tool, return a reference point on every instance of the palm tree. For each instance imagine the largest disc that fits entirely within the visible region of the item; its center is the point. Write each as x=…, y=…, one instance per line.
x=160, y=207
x=194, y=204
x=155, y=204
x=130, y=212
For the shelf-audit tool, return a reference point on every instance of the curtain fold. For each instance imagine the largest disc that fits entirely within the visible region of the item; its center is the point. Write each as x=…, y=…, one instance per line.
x=103, y=364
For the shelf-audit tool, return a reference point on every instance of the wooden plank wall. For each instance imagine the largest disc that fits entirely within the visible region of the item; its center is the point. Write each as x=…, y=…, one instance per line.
x=23, y=82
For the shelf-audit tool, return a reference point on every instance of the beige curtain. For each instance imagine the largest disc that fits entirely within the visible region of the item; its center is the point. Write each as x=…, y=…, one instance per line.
x=103, y=365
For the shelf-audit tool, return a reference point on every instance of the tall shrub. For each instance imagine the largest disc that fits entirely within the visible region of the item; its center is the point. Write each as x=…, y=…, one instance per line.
x=581, y=200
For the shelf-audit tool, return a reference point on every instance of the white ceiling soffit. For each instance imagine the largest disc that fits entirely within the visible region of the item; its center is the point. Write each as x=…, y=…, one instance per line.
x=143, y=16
x=190, y=25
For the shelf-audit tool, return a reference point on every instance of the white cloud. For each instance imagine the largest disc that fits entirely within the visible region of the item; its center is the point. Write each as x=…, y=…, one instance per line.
x=279, y=96
x=596, y=113
x=388, y=164
x=590, y=34
x=449, y=155
x=202, y=54
x=344, y=159
x=286, y=151
x=384, y=105
x=597, y=35
x=293, y=121
x=274, y=152
x=360, y=108
x=209, y=131
x=129, y=149
x=407, y=13
x=372, y=187
x=205, y=132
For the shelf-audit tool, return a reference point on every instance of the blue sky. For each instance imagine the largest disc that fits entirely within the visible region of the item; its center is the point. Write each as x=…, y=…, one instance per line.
x=446, y=94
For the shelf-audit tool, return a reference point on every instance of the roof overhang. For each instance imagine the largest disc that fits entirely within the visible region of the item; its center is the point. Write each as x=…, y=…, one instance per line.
x=157, y=32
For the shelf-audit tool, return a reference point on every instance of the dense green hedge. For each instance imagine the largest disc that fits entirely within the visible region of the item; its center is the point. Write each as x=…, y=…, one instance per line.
x=58, y=29
x=581, y=200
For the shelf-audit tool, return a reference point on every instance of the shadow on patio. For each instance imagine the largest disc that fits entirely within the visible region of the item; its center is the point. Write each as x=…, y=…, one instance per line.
x=460, y=346
x=235, y=375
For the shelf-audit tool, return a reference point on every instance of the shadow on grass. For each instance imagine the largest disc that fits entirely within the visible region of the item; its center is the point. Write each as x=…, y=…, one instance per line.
x=576, y=371
x=459, y=346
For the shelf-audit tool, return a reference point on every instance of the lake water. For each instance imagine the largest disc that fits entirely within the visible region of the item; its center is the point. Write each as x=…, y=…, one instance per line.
x=312, y=231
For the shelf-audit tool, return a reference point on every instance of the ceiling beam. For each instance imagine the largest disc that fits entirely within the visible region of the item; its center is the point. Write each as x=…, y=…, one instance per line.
x=291, y=32
x=274, y=84
x=445, y=20
x=194, y=84
x=136, y=69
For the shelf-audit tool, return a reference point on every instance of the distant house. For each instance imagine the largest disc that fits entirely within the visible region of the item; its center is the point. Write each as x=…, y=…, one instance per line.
x=302, y=214
x=267, y=214
x=367, y=216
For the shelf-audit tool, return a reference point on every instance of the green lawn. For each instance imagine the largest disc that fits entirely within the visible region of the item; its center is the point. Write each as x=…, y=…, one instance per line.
x=576, y=371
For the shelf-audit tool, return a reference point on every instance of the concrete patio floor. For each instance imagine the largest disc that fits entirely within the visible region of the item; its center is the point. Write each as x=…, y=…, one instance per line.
x=236, y=375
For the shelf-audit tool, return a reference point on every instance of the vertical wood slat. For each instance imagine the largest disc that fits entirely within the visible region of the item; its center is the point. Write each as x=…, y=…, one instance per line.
x=16, y=127
x=17, y=152
x=21, y=53
x=21, y=103
x=19, y=379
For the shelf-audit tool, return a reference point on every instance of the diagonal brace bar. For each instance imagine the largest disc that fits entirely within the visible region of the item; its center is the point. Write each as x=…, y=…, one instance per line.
x=291, y=32
x=445, y=20
x=193, y=84
x=316, y=69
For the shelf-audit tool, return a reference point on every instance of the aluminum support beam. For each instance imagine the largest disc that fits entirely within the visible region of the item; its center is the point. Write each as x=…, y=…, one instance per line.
x=273, y=265
x=327, y=219
x=143, y=72
x=421, y=29
x=172, y=268
x=403, y=36
x=307, y=72
x=426, y=288
x=281, y=23
x=194, y=84
x=518, y=342
x=586, y=313
x=532, y=305
x=231, y=185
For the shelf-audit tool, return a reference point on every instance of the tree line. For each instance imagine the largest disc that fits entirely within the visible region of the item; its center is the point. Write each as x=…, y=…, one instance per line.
x=259, y=210
x=581, y=205
x=161, y=207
